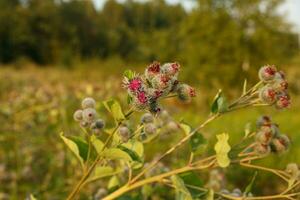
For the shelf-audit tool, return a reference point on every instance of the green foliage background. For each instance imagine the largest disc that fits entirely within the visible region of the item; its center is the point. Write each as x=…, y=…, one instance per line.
x=53, y=53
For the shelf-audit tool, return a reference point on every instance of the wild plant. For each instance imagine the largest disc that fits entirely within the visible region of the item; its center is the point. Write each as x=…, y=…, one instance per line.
x=114, y=151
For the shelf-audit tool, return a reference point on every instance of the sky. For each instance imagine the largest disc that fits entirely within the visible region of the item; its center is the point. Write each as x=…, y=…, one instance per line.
x=290, y=9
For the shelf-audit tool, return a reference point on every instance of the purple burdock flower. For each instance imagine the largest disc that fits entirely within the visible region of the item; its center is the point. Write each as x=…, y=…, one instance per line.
x=142, y=97
x=154, y=68
x=175, y=67
x=283, y=101
x=135, y=84
x=192, y=92
x=158, y=81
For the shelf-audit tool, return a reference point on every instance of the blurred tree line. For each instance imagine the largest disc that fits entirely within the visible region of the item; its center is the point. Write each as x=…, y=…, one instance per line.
x=213, y=35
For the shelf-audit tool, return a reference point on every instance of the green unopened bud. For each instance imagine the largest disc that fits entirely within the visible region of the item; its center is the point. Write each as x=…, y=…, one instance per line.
x=172, y=126
x=263, y=137
x=185, y=93
x=266, y=133
x=283, y=101
x=263, y=121
x=88, y=103
x=236, y=192
x=78, y=115
x=267, y=95
x=225, y=191
x=262, y=149
x=89, y=114
x=124, y=133
x=170, y=69
x=164, y=116
x=267, y=73
x=147, y=118
x=280, y=85
x=150, y=128
x=280, y=144
x=100, y=193
x=97, y=125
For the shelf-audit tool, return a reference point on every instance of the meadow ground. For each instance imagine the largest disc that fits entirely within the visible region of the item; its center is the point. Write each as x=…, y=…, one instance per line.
x=36, y=104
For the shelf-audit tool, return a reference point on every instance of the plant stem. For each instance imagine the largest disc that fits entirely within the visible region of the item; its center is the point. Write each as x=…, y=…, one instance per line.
x=97, y=160
x=89, y=152
x=153, y=179
x=134, y=183
x=183, y=140
x=276, y=172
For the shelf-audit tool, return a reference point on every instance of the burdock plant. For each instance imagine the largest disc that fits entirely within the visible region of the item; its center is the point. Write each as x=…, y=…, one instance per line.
x=118, y=152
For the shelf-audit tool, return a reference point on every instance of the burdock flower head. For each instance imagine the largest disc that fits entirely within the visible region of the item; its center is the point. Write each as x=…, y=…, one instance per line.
x=157, y=82
x=268, y=137
x=185, y=92
x=275, y=87
x=87, y=116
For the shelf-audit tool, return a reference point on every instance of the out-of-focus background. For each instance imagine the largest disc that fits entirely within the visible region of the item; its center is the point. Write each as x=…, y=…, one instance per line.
x=53, y=53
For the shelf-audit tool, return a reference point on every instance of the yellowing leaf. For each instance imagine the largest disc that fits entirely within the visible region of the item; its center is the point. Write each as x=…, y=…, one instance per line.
x=31, y=197
x=222, y=149
x=101, y=172
x=73, y=147
x=115, y=153
x=186, y=128
x=98, y=144
x=113, y=183
x=115, y=109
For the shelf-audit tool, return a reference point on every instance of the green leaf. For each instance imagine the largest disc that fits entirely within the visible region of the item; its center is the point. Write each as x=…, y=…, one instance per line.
x=250, y=185
x=219, y=104
x=101, y=172
x=222, y=149
x=135, y=149
x=134, y=156
x=74, y=148
x=182, y=193
x=116, y=154
x=129, y=74
x=82, y=146
x=98, y=144
x=147, y=191
x=135, y=146
x=192, y=179
x=115, y=109
x=210, y=195
x=198, y=143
